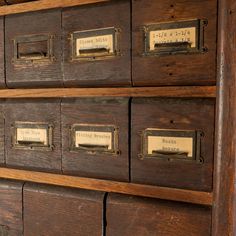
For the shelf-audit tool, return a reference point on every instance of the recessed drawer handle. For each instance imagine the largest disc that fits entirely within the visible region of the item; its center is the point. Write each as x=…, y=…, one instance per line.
x=176, y=44
x=169, y=153
x=91, y=146
x=30, y=143
x=94, y=51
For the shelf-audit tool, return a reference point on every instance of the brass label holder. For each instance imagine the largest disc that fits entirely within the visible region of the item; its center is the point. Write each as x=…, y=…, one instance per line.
x=170, y=38
x=94, y=139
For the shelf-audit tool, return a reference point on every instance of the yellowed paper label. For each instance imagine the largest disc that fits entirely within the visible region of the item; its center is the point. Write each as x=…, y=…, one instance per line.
x=93, y=138
x=32, y=135
x=173, y=36
x=96, y=42
x=170, y=144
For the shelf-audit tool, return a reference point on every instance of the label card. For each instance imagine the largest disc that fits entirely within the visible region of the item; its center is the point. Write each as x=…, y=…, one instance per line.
x=173, y=36
x=32, y=135
x=91, y=138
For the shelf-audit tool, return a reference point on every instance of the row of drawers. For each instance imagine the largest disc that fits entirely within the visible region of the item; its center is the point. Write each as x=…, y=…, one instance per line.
x=172, y=44
x=55, y=211
x=165, y=142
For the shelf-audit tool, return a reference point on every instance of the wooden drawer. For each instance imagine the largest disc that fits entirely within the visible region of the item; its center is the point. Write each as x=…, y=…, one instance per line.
x=157, y=58
x=2, y=54
x=128, y=215
x=97, y=52
x=33, y=49
x=2, y=134
x=33, y=135
x=95, y=138
x=11, y=223
x=55, y=211
x=172, y=142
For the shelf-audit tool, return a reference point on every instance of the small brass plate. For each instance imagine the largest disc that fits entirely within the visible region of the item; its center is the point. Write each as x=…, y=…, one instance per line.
x=174, y=37
x=171, y=145
x=32, y=135
x=94, y=139
x=33, y=49
x=95, y=44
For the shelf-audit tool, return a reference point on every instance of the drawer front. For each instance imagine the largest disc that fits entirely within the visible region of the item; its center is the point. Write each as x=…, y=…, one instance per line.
x=174, y=43
x=33, y=137
x=97, y=45
x=33, y=49
x=143, y=217
x=58, y=211
x=2, y=54
x=95, y=138
x=11, y=223
x=172, y=142
x=2, y=134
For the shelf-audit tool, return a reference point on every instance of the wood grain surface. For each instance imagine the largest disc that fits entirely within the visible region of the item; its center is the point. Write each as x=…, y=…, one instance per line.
x=197, y=197
x=189, y=91
x=42, y=5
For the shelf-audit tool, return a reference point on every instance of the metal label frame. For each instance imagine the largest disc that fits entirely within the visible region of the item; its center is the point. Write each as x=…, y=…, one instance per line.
x=95, y=128
x=115, y=32
x=32, y=146
x=196, y=144
x=175, y=48
x=32, y=39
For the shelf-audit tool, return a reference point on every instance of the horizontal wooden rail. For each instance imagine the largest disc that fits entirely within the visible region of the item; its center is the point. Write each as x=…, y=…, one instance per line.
x=43, y=5
x=172, y=194
x=189, y=91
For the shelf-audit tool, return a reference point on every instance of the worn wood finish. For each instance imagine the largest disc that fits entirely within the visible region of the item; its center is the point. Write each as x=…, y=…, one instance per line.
x=196, y=197
x=179, y=115
x=44, y=111
x=11, y=222
x=2, y=54
x=109, y=112
x=191, y=91
x=115, y=71
x=2, y=135
x=224, y=210
x=10, y=2
x=127, y=215
x=55, y=211
x=43, y=5
x=194, y=69
x=37, y=73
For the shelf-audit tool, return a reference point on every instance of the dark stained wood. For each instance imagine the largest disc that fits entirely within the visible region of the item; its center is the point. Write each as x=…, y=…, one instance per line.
x=11, y=221
x=2, y=135
x=115, y=71
x=2, y=54
x=194, y=69
x=174, y=114
x=127, y=215
x=109, y=112
x=54, y=211
x=43, y=111
x=191, y=91
x=42, y=5
x=10, y=2
x=37, y=73
x=225, y=173
x=196, y=197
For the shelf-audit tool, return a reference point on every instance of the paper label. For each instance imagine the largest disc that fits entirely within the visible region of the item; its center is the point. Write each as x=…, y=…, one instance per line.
x=36, y=135
x=170, y=144
x=93, y=138
x=96, y=42
x=173, y=36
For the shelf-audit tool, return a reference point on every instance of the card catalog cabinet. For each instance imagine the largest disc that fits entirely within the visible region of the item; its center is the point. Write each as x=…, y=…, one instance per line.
x=33, y=137
x=95, y=138
x=172, y=142
x=2, y=54
x=127, y=215
x=174, y=42
x=97, y=45
x=33, y=49
x=11, y=222
x=55, y=211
